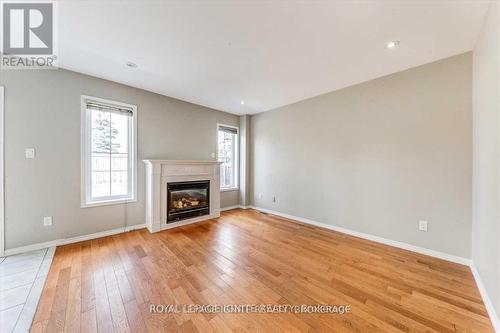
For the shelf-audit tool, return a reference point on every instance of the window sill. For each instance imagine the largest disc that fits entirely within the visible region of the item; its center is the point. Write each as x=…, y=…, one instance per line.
x=229, y=189
x=107, y=202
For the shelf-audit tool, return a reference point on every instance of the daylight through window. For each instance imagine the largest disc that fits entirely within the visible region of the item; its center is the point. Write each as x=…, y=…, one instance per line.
x=228, y=155
x=109, y=151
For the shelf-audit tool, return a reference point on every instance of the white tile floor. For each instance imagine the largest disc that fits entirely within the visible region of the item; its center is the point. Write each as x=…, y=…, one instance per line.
x=21, y=283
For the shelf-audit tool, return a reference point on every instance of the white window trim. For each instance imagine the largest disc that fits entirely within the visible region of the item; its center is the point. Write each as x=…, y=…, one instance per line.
x=85, y=160
x=236, y=159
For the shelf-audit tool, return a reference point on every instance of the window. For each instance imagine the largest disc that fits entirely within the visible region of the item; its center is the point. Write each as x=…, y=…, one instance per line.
x=227, y=149
x=109, y=152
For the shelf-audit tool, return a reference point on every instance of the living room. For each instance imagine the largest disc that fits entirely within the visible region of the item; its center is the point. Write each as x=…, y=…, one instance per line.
x=257, y=166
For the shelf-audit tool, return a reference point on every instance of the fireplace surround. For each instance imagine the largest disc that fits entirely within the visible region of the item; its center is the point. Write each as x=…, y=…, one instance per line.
x=180, y=192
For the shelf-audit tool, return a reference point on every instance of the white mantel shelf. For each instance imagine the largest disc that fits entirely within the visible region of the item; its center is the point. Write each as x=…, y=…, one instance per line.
x=161, y=172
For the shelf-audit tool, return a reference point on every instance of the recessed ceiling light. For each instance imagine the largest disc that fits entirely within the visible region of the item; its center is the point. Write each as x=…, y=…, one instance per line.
x=242, y=102
x=131, y=64
x=392, y=44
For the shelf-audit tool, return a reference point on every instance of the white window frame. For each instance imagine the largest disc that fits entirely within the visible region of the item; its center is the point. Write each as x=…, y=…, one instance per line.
x=86, y=128
x=236, y=158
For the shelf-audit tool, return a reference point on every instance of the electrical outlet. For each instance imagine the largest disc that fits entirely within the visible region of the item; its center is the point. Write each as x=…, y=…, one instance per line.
x=213, y=155
x=422, y=225
x=47, y=221
x=260, y=195
x=29, y=153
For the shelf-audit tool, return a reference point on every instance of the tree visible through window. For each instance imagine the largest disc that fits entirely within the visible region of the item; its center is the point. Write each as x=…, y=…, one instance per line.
x=228, y=155
x=109, y=152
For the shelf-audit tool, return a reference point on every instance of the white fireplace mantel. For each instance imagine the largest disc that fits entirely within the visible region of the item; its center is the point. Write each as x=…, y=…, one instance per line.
x=161, y=172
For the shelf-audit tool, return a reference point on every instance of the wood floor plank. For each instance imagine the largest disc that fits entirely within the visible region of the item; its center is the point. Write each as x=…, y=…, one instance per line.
x=134, y=317
x=58, y=312
x=73, y=311
x=102, y=308
x=88, y=322
x=245, y=257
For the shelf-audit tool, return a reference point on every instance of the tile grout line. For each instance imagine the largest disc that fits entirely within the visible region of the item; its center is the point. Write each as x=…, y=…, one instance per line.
x=10, y=307
x=33, y=256
x=28, y=270
x=31, y=289
x=19, y=286
x=32, y=283
x=17, y=262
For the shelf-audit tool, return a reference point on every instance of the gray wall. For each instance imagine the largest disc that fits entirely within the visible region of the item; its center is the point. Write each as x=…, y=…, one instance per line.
x=229, y=198
x=42, y=110
x=486, y=160
x=376, y=157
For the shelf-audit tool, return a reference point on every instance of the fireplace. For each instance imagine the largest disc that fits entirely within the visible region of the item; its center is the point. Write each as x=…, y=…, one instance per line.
x=165, y=182
x=187, y=199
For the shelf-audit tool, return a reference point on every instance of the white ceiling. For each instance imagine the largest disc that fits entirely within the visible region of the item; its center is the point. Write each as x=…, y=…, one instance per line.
x=217, y=53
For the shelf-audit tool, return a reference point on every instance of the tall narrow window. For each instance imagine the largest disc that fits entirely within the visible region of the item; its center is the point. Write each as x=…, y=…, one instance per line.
x=109, y=151
x=228, y=155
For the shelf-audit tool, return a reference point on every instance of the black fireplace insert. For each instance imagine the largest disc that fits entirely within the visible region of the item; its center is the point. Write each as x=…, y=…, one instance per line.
x=187, y=199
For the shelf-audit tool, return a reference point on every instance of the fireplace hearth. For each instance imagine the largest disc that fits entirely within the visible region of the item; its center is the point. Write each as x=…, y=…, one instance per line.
x=187, y=199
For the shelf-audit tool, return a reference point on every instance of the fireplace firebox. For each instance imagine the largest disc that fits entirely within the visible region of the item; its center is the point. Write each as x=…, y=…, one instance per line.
x=187, y=199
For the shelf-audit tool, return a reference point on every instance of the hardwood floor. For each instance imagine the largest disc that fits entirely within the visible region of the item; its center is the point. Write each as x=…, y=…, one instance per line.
x=245, y=257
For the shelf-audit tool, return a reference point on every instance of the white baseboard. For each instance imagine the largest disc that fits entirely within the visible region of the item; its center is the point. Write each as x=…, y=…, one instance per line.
x=441, y=255
x=32, y=247
x=390, y=242
x=234, y=207
x=495, y=321
x=223, y=209
x=64, y=241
